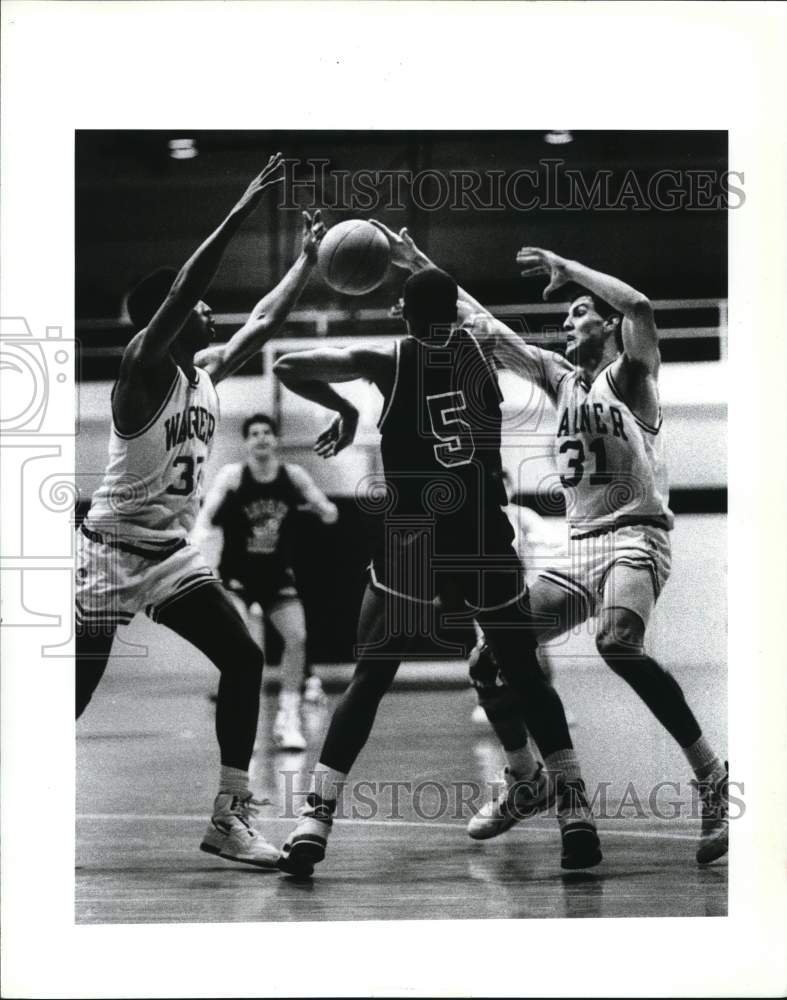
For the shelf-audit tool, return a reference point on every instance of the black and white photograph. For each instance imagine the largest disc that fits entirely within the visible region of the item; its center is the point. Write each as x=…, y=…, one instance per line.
x=384, y=519
x=419, y=499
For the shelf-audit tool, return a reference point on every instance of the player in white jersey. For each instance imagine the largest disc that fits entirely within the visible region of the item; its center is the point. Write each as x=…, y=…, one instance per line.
x=608, y=453
x=134, y=554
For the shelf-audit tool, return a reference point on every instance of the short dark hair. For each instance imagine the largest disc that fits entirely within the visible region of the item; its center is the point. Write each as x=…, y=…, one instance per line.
x=143, y=301
x=259, y=418
x=430, y=297
x=605, y=311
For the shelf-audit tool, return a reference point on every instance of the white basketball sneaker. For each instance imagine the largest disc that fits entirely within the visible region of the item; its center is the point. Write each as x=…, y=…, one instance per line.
x=519, y=799
x=232, y=835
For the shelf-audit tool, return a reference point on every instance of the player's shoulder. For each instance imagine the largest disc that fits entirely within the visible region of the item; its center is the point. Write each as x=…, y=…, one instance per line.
x=296, y=473
x=230, y=475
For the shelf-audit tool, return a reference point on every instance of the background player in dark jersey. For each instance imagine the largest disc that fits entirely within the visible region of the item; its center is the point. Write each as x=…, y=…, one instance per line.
x=446, y=547
x=251, y=503
x=134, y=553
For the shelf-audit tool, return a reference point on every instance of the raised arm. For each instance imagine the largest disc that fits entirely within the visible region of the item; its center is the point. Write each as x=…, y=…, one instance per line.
x=314, y=500
x=640, y=336
x=270, y=313
x=543, y=368
x=152, y=344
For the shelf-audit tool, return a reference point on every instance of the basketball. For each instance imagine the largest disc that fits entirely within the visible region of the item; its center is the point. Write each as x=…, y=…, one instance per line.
x=354, y=257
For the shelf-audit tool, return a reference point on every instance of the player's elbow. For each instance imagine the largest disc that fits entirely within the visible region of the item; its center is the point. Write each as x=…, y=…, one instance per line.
x=284, y=367
x=640, y=307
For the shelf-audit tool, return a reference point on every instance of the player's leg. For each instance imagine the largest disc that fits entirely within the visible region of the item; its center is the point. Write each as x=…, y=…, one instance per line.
x=556, y=607
x=629, y=597
x=288, y=619
x=91, y=656
x=101, y=605
x=348, y=731
x=236, y=593
x=511, y=634
x=207, y=618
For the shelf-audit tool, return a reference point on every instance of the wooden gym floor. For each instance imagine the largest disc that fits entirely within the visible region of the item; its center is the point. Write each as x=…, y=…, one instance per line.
x=146, y=777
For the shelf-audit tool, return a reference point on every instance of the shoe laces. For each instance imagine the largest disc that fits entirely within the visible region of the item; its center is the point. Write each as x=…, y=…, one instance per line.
x=247, y=809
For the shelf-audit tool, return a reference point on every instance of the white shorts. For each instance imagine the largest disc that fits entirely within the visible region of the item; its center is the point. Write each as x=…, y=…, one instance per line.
x=626, y=568
x=115, y=579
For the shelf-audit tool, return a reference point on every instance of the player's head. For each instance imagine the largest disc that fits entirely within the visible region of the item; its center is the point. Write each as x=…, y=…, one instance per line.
x=589, y=325
x=260, y=434
x=429, y=307
x=143, y=302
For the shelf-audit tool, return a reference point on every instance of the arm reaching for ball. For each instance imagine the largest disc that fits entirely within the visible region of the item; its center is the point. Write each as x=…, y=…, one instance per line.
x=542, y=368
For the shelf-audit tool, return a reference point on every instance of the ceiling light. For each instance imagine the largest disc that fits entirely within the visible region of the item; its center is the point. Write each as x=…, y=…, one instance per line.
x=556, y=137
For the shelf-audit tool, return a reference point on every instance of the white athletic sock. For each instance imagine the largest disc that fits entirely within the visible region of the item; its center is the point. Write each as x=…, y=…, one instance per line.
x=289, y=701
x=233, y=781
x=522, y=762
x=703, y=761
x=327, y=783
x=565, y=763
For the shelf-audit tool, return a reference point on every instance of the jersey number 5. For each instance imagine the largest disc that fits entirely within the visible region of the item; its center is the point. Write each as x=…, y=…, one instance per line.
x=185, y=485
x=456, y=436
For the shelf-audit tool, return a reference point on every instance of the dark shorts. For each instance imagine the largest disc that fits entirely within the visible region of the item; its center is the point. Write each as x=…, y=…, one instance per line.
x=267, y=590
x=463, y=566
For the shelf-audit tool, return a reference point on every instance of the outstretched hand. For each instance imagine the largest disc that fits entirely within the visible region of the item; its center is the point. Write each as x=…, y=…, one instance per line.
x=339, y=434
x=534, y=260
x=270, y=174
x=313, y=232
x=404, y=252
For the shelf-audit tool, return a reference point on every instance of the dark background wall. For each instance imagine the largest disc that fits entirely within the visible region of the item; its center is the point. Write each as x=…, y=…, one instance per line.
x=137, y=208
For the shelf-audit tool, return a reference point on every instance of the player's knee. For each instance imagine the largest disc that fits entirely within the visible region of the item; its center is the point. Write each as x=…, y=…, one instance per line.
x=619, y=642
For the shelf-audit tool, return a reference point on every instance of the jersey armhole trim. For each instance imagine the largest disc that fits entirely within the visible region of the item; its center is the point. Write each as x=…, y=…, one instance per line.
x=488, y=364
x=156, y=415
x=389, y=404
x=640, y=422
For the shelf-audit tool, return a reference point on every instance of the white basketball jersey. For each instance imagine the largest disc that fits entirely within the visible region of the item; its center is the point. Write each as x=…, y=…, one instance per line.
x=610, y=461
x=152, y=484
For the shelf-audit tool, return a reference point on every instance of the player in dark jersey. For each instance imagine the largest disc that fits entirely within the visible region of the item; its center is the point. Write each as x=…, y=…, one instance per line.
x=134, y=553
x=251, y=503
x=609, y=455
x=445, y=551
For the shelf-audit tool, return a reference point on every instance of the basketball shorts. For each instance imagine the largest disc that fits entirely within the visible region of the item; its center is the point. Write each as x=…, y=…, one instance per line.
x=458, y=570
x=266, y=589
x=118, y=576
x=623, y=568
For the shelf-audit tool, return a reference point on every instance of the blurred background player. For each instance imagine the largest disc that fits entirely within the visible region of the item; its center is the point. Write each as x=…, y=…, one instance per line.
x=251, y=503
x=133, y=548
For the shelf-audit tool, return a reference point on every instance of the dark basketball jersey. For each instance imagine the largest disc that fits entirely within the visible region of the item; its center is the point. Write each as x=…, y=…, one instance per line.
x=441, y=434
x=253, y=520
x=445, y=531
